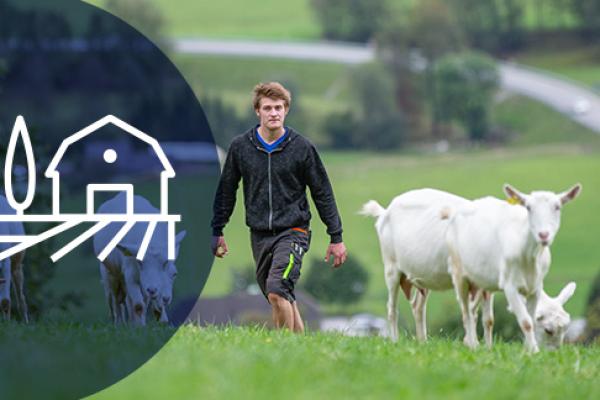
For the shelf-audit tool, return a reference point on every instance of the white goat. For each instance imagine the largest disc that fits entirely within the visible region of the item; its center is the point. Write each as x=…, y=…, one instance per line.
x=551, y=319
x=11, y=269
x=131, y=285
x=494, y=245
x=413, y=247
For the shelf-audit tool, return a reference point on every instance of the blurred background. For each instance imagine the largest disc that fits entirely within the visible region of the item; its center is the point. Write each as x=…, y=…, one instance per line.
x=460, y=95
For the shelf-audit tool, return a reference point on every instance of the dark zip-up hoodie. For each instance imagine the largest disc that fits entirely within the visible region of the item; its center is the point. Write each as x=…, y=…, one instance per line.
x=275, y=186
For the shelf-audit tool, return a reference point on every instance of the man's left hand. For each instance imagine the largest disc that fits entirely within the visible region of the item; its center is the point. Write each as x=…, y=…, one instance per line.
x=338, y=251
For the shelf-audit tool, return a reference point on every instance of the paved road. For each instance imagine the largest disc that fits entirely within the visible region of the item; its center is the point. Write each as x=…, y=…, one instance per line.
x=312, y=51
x=558, y=93
x=554, y=91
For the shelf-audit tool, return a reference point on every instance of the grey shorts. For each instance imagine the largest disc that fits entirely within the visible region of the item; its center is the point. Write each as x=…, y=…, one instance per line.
x=278, y=260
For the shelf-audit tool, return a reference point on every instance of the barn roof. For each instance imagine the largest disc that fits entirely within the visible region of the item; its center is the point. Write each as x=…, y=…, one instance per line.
x=109, y=119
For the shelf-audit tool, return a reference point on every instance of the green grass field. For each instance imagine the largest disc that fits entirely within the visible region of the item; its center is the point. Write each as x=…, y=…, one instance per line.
x=579, y=63
x=236, y=363
x=269, y=19
x=531, y=123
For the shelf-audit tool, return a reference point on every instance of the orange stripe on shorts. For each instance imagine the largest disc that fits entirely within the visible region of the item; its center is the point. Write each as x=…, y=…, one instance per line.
x=300, y=230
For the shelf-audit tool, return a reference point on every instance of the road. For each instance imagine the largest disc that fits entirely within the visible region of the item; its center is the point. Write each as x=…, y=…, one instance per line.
x=554, y=91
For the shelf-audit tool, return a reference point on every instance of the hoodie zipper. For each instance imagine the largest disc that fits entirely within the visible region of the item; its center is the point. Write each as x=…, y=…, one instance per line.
x=260, y=148
x=270, y=196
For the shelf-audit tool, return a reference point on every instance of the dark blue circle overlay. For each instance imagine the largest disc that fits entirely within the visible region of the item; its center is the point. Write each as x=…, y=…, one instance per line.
x=108, y=116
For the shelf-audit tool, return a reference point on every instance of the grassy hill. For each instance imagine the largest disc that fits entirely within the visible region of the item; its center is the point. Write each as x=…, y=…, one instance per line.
x=252, y=363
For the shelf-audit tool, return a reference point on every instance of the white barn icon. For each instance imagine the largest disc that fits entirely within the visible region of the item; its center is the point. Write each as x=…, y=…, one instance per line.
x=110, y=156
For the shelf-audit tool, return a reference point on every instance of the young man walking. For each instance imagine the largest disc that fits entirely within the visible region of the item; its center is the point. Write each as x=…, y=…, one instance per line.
x=276, y=165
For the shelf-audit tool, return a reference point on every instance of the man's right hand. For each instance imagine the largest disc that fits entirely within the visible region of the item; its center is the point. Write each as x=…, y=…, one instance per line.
x=219, y=246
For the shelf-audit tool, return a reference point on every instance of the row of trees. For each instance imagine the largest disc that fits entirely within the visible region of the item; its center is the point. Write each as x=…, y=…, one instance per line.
x=489, y=24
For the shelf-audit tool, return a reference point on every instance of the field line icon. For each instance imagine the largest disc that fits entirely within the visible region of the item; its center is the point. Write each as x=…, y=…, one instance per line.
x=14, y=212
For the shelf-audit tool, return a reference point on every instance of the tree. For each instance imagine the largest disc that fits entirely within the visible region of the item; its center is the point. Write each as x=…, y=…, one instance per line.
x=467, y=83
x=350, y=20
x=344, y=286
x=588, y=13
x=435, y=33
x=411, y=47
x=495, y=25
x=381, y=125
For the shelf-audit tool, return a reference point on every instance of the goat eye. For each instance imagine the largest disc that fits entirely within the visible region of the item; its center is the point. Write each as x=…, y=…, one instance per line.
x=540, y=318
x=557, y=207
x=528, y=207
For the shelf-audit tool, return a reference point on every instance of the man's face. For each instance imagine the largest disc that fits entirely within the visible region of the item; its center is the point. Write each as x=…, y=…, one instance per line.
x=271, y=113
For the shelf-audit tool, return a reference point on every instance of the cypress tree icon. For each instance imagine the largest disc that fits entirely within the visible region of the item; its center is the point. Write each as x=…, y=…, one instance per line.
x=19, y=131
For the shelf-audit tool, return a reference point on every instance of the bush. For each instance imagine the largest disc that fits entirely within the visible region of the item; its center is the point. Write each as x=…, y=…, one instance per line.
x=343, y=286
x=341, y=128
x=466, y=86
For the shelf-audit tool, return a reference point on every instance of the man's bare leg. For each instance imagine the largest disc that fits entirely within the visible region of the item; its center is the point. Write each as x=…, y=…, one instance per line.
x=298, y=323
x=283, y=312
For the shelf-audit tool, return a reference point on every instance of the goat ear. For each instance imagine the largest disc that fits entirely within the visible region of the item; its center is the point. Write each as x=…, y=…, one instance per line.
x=514, y=194
x=566, y=293
x=570, y=194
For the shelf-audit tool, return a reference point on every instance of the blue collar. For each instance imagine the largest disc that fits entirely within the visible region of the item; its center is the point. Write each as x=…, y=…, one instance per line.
x=270, y=147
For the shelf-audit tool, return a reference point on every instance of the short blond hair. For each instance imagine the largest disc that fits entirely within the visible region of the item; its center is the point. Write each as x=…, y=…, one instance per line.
x=272, y=90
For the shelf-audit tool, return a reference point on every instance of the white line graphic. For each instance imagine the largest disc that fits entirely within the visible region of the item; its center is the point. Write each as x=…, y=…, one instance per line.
x=92, y=188
x=76, y=242
x=68, y=221
x=20, y=129
x=146, y=240
x=115, y=240
x=39, y=238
